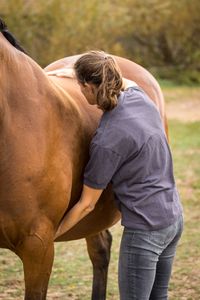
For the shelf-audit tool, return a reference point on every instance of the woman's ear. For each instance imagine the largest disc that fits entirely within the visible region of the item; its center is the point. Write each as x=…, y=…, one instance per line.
x=87, y=85
x=92, y=88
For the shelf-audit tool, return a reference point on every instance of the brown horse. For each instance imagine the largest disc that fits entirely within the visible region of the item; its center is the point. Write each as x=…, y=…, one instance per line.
x=46, y=126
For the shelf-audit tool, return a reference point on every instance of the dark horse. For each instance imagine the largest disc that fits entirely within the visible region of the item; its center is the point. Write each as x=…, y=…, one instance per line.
x=46, y=126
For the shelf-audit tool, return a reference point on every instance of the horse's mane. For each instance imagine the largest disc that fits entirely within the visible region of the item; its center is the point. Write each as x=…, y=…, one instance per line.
x=12, y=40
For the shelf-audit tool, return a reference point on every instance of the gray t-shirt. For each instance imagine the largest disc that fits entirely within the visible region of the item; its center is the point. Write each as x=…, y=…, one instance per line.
x=130, y=151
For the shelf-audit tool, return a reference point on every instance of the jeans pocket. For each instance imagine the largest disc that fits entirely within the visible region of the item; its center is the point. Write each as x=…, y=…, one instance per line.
x=158, y=237
x=165, y=236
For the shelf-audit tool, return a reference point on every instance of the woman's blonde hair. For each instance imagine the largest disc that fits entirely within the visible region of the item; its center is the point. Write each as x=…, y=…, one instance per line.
x=99, y=68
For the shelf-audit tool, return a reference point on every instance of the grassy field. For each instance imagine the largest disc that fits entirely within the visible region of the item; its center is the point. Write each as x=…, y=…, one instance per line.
x=72, y=273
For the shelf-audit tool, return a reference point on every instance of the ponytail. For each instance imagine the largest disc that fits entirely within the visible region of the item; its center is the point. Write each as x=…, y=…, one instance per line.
x=99, y=68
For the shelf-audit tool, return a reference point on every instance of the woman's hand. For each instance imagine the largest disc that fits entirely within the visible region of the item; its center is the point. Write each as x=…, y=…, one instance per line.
x=64, y=72
x=128, y=83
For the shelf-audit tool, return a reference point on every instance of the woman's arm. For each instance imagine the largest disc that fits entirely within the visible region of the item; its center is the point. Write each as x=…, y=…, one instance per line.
x=83, y=207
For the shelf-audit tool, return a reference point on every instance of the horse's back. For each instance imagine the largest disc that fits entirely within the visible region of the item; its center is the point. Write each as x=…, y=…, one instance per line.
x=131, y=71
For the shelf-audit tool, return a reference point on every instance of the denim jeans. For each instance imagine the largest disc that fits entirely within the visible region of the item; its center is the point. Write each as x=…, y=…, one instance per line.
x=145, y=262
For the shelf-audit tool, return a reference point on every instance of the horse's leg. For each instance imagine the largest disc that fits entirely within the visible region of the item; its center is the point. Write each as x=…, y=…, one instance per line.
x=36, y=253
x=99, y=251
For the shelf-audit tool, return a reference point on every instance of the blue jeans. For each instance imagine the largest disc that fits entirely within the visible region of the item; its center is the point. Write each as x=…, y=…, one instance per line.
x=145, y=262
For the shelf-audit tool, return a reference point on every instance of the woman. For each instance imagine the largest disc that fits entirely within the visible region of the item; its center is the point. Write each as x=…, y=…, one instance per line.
x=130, y=150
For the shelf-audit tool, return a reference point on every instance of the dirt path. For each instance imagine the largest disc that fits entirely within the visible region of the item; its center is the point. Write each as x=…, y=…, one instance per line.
x=183, y=104
x=186, y=111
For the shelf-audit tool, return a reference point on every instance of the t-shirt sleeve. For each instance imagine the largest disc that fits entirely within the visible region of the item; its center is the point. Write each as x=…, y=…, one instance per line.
x=102, y=165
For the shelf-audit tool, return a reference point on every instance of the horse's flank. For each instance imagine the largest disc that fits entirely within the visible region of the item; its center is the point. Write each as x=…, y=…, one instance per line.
x=46, y=138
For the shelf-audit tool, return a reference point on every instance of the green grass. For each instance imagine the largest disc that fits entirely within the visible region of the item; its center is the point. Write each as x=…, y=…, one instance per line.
x=185, y=144
x=167, y=83
x=72, y=272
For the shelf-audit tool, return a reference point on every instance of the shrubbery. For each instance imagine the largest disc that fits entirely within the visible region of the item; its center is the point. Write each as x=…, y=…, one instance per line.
x=162, y=35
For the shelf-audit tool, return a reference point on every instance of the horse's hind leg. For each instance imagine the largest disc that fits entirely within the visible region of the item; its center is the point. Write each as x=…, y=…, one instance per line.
x=99, y=251
x=37, y=255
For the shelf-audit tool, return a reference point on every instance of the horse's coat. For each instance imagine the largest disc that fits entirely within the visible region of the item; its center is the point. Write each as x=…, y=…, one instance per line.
x=46, y=126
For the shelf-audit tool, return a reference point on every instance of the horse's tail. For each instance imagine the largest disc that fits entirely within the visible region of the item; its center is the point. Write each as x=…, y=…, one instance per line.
x=12, y=40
